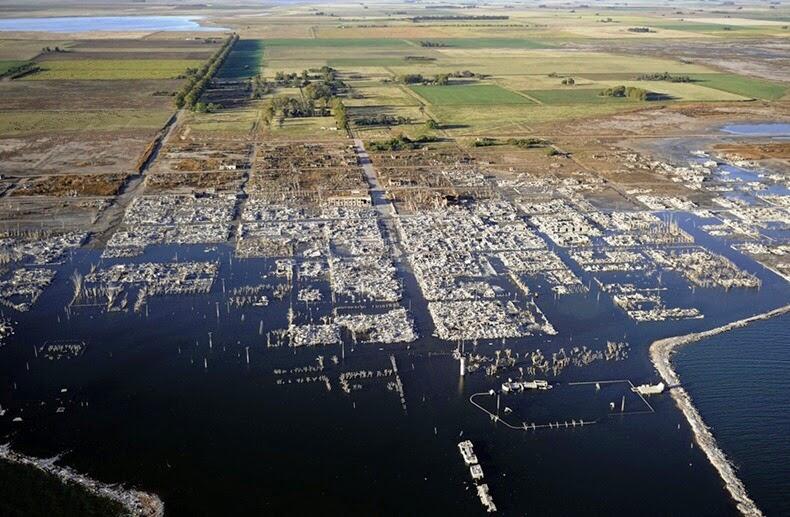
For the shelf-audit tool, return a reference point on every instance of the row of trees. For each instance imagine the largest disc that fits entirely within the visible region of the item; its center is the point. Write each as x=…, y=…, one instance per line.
x=523, y=143
x=437, y=80
x=292, y=80
x=439, y=17
x=341, y=116
x=401, y=142
x=631, y=92
x=665, y=76
x=25, y=68
x=197, y=80
x=283, y=106
x=382, y=119
x=261, y=87
x=433, y=44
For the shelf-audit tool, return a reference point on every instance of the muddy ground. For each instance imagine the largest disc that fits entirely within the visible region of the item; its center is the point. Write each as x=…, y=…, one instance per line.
x=73, y=153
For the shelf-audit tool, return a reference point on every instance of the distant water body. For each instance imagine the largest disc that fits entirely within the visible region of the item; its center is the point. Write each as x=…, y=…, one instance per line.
x=778, y=129
x=106, y=23
x=740, y=383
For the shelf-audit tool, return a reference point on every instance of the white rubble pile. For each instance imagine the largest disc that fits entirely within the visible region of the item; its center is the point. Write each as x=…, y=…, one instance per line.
x=314, y=335
x=482, y=319
x=24, y=287
x=160, y=277
x=366, y=277
x=395, y=326
x=45, y=250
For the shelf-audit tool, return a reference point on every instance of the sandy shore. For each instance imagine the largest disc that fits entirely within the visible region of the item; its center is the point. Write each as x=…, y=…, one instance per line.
x=661, y=355
x=137, y=503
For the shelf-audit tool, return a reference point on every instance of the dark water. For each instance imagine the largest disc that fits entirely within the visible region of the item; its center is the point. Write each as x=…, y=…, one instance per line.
x=740, y=383
x=227, y=440
x=105, y=23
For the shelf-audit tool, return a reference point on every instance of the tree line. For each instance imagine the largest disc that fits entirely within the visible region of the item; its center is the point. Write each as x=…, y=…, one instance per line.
x=198, y=80
x=436, y=80
x=665, y=76
x=28, y=67
x=450, y=17
x=631, y=92
x=400, y=143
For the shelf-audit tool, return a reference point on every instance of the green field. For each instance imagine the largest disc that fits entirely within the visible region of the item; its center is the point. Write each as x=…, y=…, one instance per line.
x=20, y=122
x=748, y=87
x=574, y=96
x=740, y=85
x=6, y=65
x=699, y=27
x=516, y=119
x=380, y=95
x=367, y=62
x=317, y=128
x=237, y=121
x=244, y=60
x=486, y=43
x=478, y=94
x=23, y=50
x=336, y=42
x=109, y=69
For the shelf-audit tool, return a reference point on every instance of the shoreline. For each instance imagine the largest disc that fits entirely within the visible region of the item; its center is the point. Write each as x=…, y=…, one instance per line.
x=661, y=354
x=136, y=502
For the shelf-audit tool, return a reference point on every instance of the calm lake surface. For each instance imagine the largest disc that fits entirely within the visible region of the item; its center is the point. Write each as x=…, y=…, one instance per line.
x=740, y=382
x=105, y=23
x=142, y=409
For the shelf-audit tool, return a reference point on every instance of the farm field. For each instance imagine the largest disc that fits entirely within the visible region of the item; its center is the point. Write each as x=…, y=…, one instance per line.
x=6, y=65
x=740, y=85
x=158, y=43
x=504, y=42
x=684, y=91
x=366, y=62
x=467, y=95
x=237, y=121
x=517, y=119
x=23, y=122
x=323, y=43
x=329, y=53
x=571, y=95
x=312, y=128
x=527, y=62
x=23, y=50
x=692, y=26
x=87, y=151
x=743, y=86
x=381, y=95
x=244, y=61
x=65, y=94
x=113, y=69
